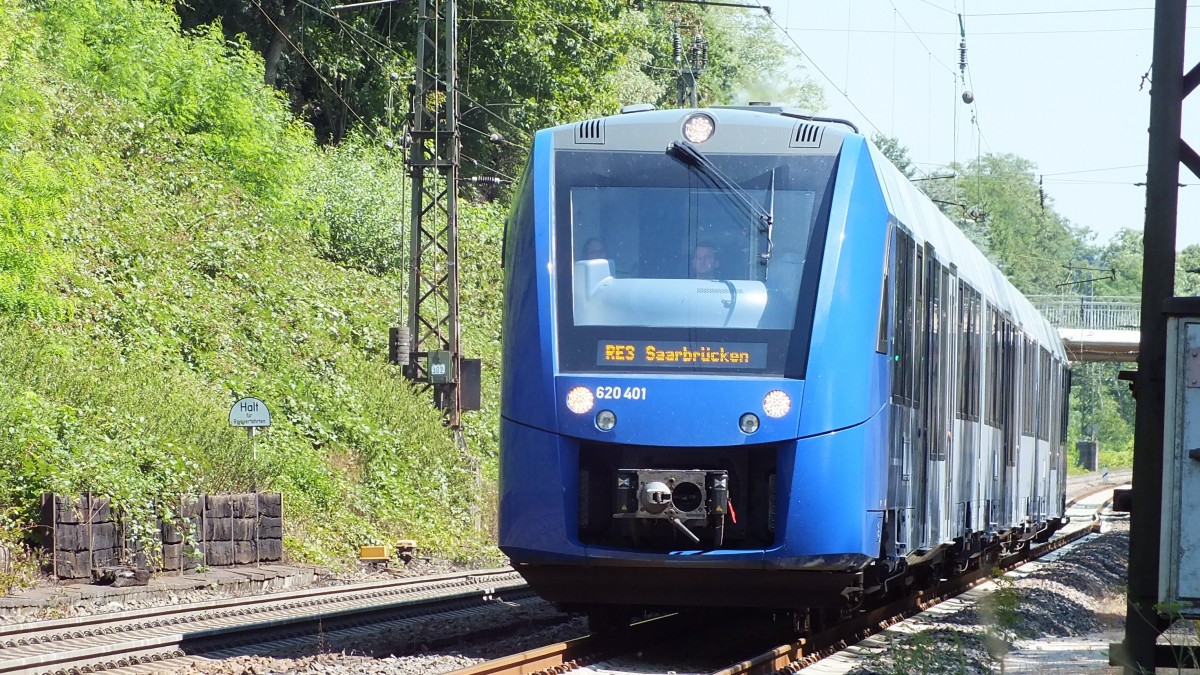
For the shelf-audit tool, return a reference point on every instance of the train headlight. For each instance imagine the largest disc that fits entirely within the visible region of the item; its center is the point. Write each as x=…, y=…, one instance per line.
x=748, y=423
x=777, y=403
x=580, y=400
x=698, y=128
x=606, y=420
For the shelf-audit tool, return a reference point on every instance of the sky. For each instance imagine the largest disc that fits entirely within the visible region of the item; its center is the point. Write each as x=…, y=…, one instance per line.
x=1060, y=84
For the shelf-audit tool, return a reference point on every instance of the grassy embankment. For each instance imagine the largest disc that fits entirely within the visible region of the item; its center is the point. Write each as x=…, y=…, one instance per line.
x=171, y=239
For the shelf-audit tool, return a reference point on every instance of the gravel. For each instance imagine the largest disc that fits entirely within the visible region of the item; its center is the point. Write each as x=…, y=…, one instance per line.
x=1080, y=594
x=417, y=567
x=435, y=646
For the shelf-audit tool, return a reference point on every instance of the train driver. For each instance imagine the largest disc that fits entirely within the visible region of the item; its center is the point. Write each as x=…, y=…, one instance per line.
x=705, y=262
x=594, y=249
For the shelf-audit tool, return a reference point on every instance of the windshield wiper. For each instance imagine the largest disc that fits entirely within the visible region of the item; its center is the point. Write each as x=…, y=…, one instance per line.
x=690, y=154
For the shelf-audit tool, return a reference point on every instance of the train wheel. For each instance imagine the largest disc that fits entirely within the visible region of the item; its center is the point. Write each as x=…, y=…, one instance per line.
x=797, y=621
x=608, y=618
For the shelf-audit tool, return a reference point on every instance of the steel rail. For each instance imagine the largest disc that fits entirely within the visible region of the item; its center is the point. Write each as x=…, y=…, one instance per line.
x=801, y=653
x=570, y=655
x=104, y=642
x=14, y=634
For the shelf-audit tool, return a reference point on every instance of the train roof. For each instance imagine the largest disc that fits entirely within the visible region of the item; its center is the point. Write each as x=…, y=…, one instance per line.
x=752, y=129
x=928, y=225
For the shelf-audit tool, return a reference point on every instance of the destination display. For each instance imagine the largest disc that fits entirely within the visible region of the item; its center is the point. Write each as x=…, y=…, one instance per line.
x=690, y=355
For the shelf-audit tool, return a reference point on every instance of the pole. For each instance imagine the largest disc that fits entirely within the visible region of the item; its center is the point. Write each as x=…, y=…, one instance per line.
x=433, y=301
x=1143, y=623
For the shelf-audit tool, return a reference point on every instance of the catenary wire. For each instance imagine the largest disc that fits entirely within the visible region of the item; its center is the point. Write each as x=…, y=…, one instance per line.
x=819, y=70
x=349, y=28
x=310, y=64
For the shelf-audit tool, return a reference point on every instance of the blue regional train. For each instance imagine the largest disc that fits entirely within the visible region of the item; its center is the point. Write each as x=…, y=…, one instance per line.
x=748, y=364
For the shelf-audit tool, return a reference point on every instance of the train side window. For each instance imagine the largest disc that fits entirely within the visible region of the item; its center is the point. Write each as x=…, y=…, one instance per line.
x=941, y=387
x=1004, y=380
x=1028, y=387
x=1065, y=402
x=881, y=340
x=1047, y=403
x=964, y=342
x=918, y=364
x=968, y=352
x=995, y=340
x=903, y=314
x=977, y=354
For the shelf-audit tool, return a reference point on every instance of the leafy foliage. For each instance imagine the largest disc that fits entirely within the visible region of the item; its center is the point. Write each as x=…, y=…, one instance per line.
x=523, y=64
x=363, y=210
x=34, y=193
x=199, y=86
x=893, y=150
x=197, y=218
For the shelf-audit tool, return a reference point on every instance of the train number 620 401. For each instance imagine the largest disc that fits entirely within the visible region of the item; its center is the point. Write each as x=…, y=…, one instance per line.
x=630, y=393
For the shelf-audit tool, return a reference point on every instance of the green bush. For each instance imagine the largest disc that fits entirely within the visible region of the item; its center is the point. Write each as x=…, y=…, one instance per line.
x=362, y=223
x=198, y=85
x=34, y=193
x=87, y=425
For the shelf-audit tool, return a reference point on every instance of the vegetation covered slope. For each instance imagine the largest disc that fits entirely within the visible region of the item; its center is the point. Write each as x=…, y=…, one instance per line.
x=172, y=240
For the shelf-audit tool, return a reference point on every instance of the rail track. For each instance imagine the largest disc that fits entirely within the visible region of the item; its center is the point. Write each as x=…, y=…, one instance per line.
x=690, y=632
x=167, y=638
x=145, y=640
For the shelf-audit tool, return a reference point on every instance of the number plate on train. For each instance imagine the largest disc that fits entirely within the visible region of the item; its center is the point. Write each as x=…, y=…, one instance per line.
x=626, y=393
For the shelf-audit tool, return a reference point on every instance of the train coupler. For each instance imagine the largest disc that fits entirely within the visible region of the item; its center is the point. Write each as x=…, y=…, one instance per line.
x=685, y=498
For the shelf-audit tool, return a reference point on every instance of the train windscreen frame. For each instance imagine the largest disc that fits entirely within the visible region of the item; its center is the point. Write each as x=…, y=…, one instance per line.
x=661, y=269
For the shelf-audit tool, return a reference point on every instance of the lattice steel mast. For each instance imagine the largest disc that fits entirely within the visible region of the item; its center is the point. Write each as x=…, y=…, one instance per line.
x=433, y=324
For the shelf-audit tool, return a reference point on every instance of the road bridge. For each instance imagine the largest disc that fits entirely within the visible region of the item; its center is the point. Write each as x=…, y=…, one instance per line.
x=1095, y=329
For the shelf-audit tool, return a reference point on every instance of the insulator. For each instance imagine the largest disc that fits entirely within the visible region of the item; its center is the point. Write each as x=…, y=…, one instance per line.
x=399, y=342
x=962, y=55
x=703, y=52
x=488, y=180
x=677, y=44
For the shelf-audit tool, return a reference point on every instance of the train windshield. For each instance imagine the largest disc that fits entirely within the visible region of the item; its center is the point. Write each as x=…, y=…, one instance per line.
x=663, y=268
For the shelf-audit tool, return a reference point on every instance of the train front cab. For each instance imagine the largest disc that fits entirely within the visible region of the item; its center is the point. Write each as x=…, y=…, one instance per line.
x=630, y=473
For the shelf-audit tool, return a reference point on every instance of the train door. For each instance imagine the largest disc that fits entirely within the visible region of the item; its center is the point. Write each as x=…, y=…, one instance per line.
x=1009, y=429
x=934, y=487
x=947, y=393
x=905, y=424
x=993, y=439
x=1042, y=451
x=920, y=466
x=1025, y=393
x=970, y=485
x=1060, y=439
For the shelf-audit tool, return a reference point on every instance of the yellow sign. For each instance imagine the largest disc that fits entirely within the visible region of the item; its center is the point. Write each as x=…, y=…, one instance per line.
x=695, y=355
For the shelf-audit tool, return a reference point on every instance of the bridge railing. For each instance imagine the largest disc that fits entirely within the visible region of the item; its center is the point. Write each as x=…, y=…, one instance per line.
x=1092, y=313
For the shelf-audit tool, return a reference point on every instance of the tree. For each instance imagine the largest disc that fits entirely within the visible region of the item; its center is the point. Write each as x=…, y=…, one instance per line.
x=1187, y=271
x=1031, y=242
x=892, y=149
x=523, y=64
x=745, y=59
x=1118, y=265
